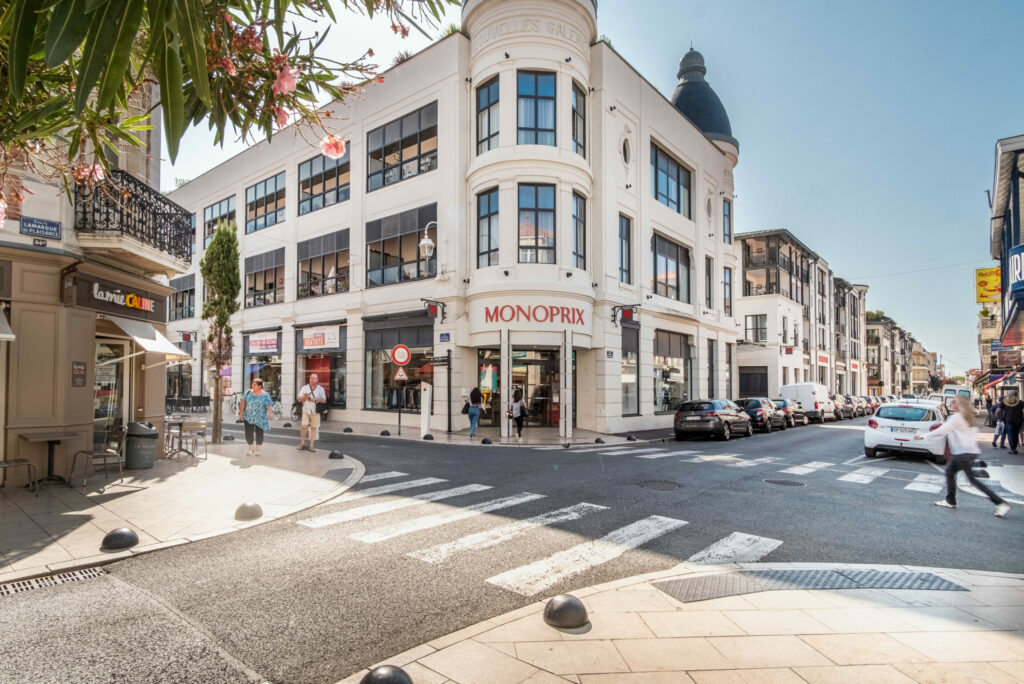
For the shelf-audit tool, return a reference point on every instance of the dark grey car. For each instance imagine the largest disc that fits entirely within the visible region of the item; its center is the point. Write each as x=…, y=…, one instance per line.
x=793, y=411
x=718, y=417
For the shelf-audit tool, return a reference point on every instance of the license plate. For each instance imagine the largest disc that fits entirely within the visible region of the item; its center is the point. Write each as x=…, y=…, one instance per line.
x=691, y=418
x=907, y=431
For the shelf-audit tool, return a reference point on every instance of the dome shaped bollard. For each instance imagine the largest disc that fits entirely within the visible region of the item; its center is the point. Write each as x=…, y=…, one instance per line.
x=385, y=433
x=386, y=674
x=121, y=538
x=486, y=440
x=348, y=429
x=228, y=438
x=249, y=511
x=598, y=441
x=335, y=455
x=287, y=425
x=630, y=438
x=429, y=437
x=565, y=611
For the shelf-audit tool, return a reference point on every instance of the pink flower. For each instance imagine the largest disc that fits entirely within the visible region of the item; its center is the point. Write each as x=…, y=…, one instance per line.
x=228, y=66
x=3, y=210
x=285, y=82
x=95, y=172
x=332, y=147
x=281, y=116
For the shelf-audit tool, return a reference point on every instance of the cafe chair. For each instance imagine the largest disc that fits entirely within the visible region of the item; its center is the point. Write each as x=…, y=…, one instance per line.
x=194, y=430
x=21, y=463
x=91, y=457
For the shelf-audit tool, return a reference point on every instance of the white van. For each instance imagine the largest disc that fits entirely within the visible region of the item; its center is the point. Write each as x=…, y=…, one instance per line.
x=955, y=390
x=813, y=397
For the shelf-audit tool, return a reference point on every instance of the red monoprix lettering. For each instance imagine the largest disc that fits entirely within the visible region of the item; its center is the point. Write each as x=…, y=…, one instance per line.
x=491, y=314
x=537, y=311
x=510, y=315
x=522, y=312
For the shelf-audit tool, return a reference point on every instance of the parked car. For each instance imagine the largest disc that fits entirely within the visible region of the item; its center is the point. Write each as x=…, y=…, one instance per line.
x=813, y=397
x=719, y=417
x=893, y=427
x=872, y=403
x=860, y=406
x=764, y=414
x=792, y=411
x=844, y=409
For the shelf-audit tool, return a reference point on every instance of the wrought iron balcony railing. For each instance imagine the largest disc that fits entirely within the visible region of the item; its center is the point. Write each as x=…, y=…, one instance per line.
x=128, y=206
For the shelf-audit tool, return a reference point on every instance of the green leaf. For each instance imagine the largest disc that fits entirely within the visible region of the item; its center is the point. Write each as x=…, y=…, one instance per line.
x=172, y=98
x=127, y=25
x=68, y=26
x=23, y=33
x=34, y=116
x=96, y=52
x=192, y=31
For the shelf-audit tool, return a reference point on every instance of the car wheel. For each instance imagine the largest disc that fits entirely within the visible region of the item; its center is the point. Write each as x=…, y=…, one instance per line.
x=792, y=421
x=807, y=421
x=939, y=459
x=783, y=426
x=870, y=452
x=750, y=429
x=679, y=436
x=768, y=426
x=726, y=432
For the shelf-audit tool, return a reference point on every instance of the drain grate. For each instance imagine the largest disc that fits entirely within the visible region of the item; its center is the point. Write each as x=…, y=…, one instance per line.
x=21, y=586
x=786, y=483
x=660, y=485
x=710, y=586
x=803, y=579
x=882, y=579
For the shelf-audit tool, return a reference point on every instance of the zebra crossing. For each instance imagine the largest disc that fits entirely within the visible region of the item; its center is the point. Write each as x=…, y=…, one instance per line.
x=535, y=575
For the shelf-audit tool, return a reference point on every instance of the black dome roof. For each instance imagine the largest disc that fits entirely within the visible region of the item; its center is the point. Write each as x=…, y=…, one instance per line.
x=696, y=99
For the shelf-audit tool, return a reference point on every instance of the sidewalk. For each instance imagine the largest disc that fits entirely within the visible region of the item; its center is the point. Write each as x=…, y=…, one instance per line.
x=176, y=502
x=638, y=633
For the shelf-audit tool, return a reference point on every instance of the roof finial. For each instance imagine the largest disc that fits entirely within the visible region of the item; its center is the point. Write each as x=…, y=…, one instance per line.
x=691, y=44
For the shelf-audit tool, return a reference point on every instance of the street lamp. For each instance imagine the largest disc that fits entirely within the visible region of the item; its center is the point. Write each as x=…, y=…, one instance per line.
x=426, y=244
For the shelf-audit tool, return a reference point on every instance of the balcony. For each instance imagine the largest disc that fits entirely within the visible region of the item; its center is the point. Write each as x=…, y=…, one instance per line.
x=840, y=327
x=989, y=323
x=755, y=260
x=807, y=347
x=126, y=219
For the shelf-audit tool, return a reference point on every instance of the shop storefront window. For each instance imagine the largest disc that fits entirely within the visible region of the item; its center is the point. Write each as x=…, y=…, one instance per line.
x=383, y=392
x=672, y=370
x=262, y=359
x=331, y=372
x=630, y=372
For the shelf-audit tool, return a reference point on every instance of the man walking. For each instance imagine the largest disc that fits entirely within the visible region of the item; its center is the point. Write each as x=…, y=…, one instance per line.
x=1013, y=418
x=310, y=395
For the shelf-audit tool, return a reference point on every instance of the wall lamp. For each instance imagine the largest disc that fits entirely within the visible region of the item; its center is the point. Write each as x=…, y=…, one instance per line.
x=628, y=186
x=568, y=59
x=591, y=88
x=612, y=108
x=649, y=296
x=568, y=274
x=506, y=272
x=506, y=55
x=465, y=280
x=469, y=80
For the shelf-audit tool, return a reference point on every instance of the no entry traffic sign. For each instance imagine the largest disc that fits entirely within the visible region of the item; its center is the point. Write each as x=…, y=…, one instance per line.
x=401, y=354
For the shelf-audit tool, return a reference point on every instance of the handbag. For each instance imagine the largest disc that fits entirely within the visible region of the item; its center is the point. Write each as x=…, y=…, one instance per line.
x=465, y=408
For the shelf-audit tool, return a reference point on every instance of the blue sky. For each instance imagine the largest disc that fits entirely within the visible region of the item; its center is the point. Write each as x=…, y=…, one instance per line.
x=867, y=129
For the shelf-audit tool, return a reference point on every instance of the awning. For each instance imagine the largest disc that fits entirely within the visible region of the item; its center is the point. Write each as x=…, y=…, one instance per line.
x=994, y=382
x=147, y=337
x=6, y=334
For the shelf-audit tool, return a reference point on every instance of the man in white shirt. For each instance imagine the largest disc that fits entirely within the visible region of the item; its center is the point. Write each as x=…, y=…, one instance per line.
x=310, y=395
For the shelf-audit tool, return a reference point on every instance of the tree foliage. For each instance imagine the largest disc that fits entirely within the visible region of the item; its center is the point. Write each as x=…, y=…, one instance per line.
x=219, y=268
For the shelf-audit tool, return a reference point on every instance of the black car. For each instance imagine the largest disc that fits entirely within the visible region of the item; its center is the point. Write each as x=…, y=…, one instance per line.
x=718, y=417
x=844, y=408
x=792, y=411
x=764, y=414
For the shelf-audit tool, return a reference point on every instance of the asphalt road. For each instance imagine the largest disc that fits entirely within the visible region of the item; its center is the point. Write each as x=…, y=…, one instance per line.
x=326, y=592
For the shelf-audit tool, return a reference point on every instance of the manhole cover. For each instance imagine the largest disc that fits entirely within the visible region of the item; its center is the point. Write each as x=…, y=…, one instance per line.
x=786, y=483
x=662, y=485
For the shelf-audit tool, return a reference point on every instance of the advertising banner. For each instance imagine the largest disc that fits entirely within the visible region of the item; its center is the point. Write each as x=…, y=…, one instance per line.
x=1008, y=358
x=324, y=337
x=987, y=284
x=263, y=343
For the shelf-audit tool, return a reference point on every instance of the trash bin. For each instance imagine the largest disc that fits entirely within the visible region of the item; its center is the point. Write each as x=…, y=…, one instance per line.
x=140, y=448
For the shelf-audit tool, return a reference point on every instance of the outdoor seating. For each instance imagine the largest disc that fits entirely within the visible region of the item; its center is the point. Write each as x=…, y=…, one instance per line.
x=91, y=457
x=194, y=430
x=20, y=463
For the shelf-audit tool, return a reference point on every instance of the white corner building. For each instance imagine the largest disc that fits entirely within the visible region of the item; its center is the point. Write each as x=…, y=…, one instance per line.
x=522, y=179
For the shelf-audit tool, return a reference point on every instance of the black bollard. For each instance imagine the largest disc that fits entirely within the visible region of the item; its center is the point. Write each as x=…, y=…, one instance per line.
x=335, y=455
x=598, y=441
x=565, y=611
x=287, y=425
x=121, y=538
x=486, y=440
x=249, y=511
x=386, y=674
x=348, y=429
x=429, y=437
x=630, y=438
x=385, y=433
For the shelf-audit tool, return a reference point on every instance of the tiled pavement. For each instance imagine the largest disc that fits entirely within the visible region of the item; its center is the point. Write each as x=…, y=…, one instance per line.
x=638, y=634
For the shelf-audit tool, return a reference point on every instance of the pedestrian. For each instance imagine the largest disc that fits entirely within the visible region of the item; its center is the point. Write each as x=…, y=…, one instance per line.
x=1013, y=417
x=989, y=418
x=310, y=395
x=1000, y=433
x=988, y=403
x=255, y=411
x=476, y=405
x=517, y=411
x=961, y=433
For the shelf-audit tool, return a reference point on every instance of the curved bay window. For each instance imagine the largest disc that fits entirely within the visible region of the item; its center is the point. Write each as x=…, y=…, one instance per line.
x=672, y=370
x=537, y=224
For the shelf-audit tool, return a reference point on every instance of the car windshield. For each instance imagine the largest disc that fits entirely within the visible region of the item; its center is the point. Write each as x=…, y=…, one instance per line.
x=781, y=403
x=910, y=413
x=697, y=406
x=752, y=404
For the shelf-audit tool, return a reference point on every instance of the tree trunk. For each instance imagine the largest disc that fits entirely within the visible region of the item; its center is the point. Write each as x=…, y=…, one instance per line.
x=215, y=432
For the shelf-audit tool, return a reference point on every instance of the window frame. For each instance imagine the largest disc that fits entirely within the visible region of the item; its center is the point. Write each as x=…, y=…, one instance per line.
x=214, y=213
x=341, y=193
x=492, y=227
x=727, y=291
x=682, y=271
x=712, y=349
x=342, y=281
x=536, y=210
x=727, y=221
x=683, y=200
x=535, y=98
x=181, y=305
x=257, y=221
x=578, y=106
x=709, y=278
x=579, y=231
x=625, y=250
x=493, y=112
x=254, y=296
x=760, y=327
x=392, y=173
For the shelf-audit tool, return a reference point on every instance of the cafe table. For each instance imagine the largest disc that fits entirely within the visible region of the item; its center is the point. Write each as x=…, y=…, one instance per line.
x=171, y=451
x=51, y=439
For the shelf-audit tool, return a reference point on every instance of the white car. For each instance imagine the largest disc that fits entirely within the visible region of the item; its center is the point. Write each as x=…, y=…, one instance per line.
x=893, y=426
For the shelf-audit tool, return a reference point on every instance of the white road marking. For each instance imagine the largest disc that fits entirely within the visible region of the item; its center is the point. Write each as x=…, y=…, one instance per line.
x=388, y=506
x=386, y=489
x=806, y=468
x=933, y=484
x=685, y=452
x=865, y=459
x=547, y=448
x=535, y=577
x=704, y=458
x=736, y=548
x=383, y=476
x=493, y=537
x=752, y=462
x=426, y=522
x=864, y=475
x=628, y=450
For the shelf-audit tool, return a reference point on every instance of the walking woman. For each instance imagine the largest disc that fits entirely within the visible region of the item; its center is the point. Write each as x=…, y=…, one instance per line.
x=517, y=411
x=476, y=405
x=961, y=432
x=255, y=410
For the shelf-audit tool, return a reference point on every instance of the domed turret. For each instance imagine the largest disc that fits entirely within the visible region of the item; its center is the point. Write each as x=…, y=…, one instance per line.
x=696, y=99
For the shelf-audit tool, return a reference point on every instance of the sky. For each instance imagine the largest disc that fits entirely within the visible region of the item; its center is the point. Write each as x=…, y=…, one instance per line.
x=867, y=129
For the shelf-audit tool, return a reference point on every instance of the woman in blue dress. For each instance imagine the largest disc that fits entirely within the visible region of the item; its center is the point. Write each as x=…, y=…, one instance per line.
x=255, y=410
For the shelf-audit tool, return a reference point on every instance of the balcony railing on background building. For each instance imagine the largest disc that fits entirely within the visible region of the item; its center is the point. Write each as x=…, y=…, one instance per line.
x=325, y=286
x=264, y=297
x=755, y=260
x=840, y=327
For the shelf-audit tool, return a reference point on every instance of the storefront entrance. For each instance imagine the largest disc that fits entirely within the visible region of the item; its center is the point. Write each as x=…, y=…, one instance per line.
x=110, y=392
x=536, y=372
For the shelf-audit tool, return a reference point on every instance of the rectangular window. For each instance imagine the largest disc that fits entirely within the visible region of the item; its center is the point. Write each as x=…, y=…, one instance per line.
x=487, y=228
x=537, y=224
x=630, y=367
x=711, y=369
x=709, y=275
x=727, y=221
x=487, y=116
x=392, y=247
x=181, y=305
x=323, y=181
x=579, y=121
x=264, y=279
x=625, y=250
x=670, y=181
x=672, y=371
x=785, y=375
x=785, y=328
x=728, y=370
x=579, y=231
x=382, y=392
x=264, y=203
x=536, y=108
x=215, y=213
x=671, y=276
x=757, y=328
x=324, y=265
x=193, y=221
x=727, y=291
x=402, y=148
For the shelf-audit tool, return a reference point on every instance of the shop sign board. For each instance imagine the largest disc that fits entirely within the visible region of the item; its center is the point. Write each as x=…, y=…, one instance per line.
x=323, y=337
x=106, y=296
x=263, y=342
x=854, y=365
x=987, y=284
x=38, y=227
x=1008, y=358
x=78, y=373
x=401, y=354
x=822, y=358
